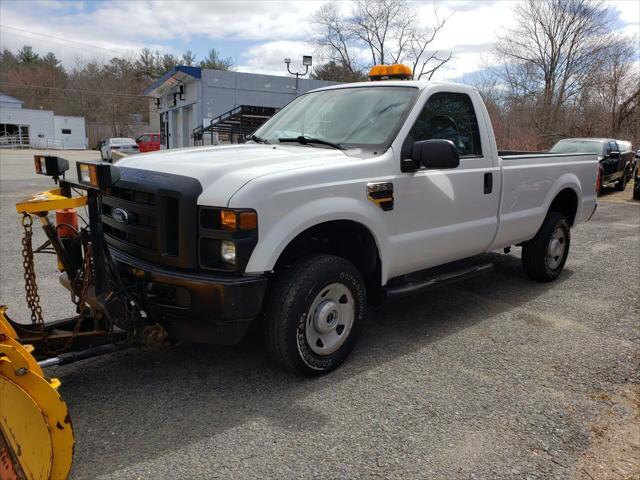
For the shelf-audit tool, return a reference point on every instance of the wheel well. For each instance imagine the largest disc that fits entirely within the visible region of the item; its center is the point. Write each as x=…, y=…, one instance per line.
x=343, y=238
x=566, y=202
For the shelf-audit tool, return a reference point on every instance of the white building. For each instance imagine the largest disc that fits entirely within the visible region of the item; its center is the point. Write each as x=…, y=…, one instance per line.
x=194, y=100
x=25, y=127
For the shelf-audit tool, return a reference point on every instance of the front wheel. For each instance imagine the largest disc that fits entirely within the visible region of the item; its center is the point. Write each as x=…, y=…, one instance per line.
x=622, y=183
x=544, y=256
x=314, y=313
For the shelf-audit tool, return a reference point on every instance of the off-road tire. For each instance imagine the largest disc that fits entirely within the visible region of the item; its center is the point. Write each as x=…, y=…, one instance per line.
x=621, y=184
x=534, y=252
x=287, y=309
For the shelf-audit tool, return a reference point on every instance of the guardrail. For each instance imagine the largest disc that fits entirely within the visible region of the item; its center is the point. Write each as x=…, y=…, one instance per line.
x=17, y=140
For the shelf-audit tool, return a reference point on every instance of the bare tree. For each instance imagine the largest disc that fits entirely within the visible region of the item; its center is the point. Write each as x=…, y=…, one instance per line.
x=384, y=27
x=427, y=63
x=552, y=50
x=379, y=32
x=335, y=35
x=616, y=84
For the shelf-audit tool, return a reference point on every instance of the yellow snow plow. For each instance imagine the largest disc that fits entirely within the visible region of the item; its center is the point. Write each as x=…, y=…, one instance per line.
x=36, y=433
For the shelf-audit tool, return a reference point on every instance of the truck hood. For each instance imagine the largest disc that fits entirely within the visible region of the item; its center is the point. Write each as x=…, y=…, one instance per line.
x=223, y=170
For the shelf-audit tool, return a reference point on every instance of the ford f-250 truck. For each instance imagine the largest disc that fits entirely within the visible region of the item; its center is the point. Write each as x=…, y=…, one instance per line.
x=349, y=194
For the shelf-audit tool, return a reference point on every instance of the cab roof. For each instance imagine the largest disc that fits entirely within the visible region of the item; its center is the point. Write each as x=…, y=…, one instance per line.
x=587, y=139
x=420, y=84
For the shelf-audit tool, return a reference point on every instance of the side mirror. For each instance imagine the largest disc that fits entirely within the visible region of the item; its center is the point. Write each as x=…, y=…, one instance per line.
x=435, y=154
x=614, y=155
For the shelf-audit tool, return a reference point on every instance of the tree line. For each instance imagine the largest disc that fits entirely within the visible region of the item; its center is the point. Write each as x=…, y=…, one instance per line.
x=108, y=95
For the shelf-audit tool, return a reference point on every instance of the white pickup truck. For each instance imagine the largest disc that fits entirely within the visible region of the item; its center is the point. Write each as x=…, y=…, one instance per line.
x=349, y=194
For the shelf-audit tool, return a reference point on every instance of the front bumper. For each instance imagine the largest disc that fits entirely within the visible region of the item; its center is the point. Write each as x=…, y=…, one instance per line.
x=196, y=306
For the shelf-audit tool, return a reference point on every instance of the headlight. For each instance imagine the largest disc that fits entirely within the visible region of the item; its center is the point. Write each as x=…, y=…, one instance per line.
x=100, y=175
x=227, y=238
x=87, y=174
x=228, y=252
x=50, y=165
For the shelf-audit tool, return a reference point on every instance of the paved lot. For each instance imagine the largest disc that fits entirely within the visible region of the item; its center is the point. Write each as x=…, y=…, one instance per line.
x=495, y=377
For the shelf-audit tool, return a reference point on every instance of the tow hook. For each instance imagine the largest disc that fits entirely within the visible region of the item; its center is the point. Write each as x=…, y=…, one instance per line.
x=154, y=336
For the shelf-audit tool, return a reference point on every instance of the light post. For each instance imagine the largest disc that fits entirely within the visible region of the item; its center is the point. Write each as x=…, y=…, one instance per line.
x=306, y=61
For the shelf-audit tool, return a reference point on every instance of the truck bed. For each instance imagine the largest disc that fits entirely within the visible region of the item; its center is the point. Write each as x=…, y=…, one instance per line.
x=530, y=182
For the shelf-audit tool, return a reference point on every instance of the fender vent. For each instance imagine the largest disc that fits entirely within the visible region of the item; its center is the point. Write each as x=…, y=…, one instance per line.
x=381, y=194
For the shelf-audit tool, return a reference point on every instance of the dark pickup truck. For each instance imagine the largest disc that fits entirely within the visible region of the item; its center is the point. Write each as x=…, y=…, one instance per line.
x=617, y=159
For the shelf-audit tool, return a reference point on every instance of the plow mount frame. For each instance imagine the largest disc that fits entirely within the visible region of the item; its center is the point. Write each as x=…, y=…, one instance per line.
x=36, y=433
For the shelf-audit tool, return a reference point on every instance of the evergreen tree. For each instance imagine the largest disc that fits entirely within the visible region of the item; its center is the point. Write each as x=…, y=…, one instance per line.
x=145, y=65
x=27, y=56
x=215, y=62
x=336, y=72
x=188, y=58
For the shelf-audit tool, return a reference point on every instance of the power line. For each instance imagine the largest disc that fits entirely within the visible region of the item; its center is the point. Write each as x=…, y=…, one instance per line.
x=78, y=92
x=64, y=39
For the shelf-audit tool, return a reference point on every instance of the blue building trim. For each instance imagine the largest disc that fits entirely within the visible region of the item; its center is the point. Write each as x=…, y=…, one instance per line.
x=195, y=72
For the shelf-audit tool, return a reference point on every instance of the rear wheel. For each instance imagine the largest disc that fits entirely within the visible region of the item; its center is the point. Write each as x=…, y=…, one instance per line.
x=544, y=256
x=314, y=313
x=622, y=183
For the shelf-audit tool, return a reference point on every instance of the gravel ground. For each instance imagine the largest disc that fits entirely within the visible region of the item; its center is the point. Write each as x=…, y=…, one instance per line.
x=493, y=378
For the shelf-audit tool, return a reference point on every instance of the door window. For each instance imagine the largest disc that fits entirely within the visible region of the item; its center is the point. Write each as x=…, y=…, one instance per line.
x=450, y=116
x=613, y=147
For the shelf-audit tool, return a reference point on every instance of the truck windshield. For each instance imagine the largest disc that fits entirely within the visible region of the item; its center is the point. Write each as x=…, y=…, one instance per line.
x=577, y=146
x=348, y=117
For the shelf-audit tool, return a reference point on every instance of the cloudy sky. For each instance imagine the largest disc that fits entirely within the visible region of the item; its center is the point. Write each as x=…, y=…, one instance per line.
x=256, y=34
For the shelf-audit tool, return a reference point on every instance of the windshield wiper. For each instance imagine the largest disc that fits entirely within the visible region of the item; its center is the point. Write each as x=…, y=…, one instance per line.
x=304, y=140
x=258, y=139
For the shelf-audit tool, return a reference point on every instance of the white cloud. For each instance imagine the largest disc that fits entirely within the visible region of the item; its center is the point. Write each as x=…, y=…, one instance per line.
x=268, y=58
x=628, y=12
x=465, y=34
x=276, y=29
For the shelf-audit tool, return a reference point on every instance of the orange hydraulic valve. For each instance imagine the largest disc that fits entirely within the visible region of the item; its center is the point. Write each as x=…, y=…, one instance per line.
x=66, y=218
x=67, y=230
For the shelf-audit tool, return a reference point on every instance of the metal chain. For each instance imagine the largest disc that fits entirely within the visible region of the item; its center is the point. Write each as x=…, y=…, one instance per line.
x=30, y=284
x=85, y=276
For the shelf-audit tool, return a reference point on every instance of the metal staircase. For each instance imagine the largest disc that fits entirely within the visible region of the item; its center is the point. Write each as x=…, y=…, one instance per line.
x=235, y=125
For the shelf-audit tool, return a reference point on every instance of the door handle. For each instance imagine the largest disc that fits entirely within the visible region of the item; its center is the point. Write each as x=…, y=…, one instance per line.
x=488, y=182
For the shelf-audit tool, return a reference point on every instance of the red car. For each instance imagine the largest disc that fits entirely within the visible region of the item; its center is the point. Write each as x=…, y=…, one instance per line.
x=148, y=142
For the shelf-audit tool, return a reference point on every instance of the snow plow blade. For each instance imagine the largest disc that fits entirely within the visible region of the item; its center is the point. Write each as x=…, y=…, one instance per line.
x=36, y=434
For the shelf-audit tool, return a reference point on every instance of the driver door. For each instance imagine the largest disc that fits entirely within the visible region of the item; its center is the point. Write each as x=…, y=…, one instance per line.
x=611, y=163
x=446, y=215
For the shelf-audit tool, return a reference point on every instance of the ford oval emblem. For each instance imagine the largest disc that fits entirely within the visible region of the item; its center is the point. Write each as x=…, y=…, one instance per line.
x=120, y=215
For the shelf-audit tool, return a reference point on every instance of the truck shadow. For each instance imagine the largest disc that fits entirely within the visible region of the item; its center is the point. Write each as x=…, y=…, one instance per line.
x=135, y=406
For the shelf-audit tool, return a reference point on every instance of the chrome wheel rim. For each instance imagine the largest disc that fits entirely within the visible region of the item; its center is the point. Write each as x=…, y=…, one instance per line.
x=330, y=319
x=556, y=248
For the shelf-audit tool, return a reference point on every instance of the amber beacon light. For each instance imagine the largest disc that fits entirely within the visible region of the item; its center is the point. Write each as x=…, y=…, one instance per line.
x=397, y=71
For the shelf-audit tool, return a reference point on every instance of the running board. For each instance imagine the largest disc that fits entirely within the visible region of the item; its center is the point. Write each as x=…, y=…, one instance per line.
x=418, y=286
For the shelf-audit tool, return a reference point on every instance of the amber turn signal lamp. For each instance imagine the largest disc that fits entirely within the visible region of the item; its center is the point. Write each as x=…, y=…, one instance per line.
x=228, y=220
x=248, y=221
